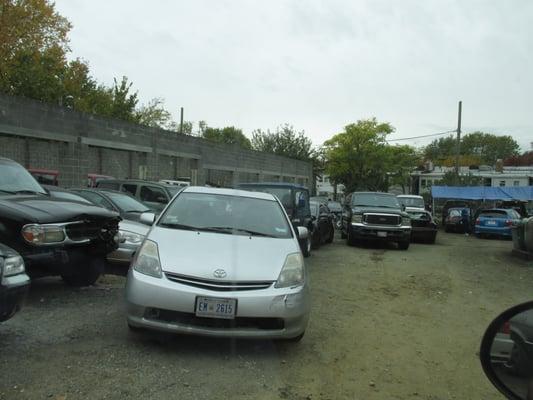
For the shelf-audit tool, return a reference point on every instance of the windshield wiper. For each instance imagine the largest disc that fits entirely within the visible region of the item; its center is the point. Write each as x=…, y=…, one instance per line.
x=230, y=229
x=179, y=226
x=22, y=192
x=136, y=211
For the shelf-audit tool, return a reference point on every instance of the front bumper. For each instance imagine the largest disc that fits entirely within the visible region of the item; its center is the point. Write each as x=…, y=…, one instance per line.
x=392, y=233
x=13, y=291
x=164, y=305
x=123, y=255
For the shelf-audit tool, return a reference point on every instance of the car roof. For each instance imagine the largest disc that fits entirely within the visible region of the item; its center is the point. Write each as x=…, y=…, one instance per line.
x=228, y=192
x=134, y=181
x=274, y=184
x=380, y=193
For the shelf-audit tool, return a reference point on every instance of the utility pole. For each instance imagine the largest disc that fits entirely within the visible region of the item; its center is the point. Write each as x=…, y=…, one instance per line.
x=181, y=121
x=458, y=150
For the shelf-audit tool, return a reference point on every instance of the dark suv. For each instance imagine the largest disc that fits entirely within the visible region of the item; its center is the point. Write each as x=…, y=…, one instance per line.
x=295, y=200
x=53, y=236
x=375, y=216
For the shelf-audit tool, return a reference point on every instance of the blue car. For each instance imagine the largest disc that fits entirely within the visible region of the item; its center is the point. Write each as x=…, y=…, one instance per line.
x=496, y=221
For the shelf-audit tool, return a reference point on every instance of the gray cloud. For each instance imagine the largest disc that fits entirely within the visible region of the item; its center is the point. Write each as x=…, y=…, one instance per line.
x=320, y=65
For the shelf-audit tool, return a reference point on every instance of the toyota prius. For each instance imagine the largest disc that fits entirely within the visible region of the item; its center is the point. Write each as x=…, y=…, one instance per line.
x=220, y=262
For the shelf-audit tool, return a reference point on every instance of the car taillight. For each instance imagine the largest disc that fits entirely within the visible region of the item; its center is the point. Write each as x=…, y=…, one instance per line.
x=508, y=222
x=506, y=327
x=478, y=221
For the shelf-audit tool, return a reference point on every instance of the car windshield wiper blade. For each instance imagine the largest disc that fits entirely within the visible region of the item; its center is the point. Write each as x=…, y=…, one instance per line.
x=231, y=229
x=136, y=211
x=24, y=191
x=179, y=226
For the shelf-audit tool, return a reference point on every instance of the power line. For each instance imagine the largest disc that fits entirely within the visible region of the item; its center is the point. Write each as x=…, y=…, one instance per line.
x=422, y=136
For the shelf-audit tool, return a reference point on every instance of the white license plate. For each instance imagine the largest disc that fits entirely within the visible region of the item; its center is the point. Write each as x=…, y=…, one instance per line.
x=212, y=307
x=382, y=234
x=491, y=222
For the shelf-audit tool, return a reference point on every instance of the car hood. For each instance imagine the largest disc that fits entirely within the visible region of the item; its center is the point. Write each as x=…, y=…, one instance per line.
x=199, y=254
x=378, y=210
x=40, y=209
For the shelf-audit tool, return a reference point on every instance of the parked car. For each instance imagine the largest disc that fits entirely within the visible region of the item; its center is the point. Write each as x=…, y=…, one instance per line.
x=519, y=206
x=454, y=204
x=220, y=262
x=56, y=192
x=295, y=200
x=323, y=224
x=54, y=237
x=175, y=183
x=455, y=220
x=131, y=233
x=423, y=227
x=496, y=222
x=336, y=209
x=375, y=216
x=152, y=194
x=45, y=176
x=93, y=179
x=412, y=202
x=14, y=282
x=125, y=204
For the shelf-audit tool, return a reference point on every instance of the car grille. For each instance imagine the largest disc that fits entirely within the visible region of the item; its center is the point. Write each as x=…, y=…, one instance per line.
x=193, y=320
x=218, y=285
x=381, y=219
x=91, y=230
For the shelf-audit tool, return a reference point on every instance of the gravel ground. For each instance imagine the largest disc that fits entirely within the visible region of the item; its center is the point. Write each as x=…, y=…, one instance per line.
x=385, y=324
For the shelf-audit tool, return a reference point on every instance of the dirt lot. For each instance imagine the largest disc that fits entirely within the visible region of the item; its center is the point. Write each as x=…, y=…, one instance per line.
x=385, y=324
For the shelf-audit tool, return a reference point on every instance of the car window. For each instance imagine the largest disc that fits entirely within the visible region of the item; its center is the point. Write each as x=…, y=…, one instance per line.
x=412, y=201
x=334, y=206
x=153, y=194
x=14, y=178
x=454, y=213
x=283, y=194
x=129, y=188
x=97, y=199
x=127, y=203
x=234, y=212
x=374, y=199
x=108, y=185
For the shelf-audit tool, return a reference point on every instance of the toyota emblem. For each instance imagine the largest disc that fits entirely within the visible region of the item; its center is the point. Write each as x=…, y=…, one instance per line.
x=219, y=273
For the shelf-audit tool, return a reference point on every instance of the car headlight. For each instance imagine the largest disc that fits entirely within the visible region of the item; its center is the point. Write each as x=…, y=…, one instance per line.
x=13, y=266
x=406, y=221
x=43, y=234
x=357, y=218
x=147, y=260
x=292, y=273
x=130, y=237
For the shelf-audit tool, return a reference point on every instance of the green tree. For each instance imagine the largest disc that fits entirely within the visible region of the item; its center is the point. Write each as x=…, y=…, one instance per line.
x=485, y=147
x=155, y=115
x=401, y=161
x=358, y=156
x=227, y=135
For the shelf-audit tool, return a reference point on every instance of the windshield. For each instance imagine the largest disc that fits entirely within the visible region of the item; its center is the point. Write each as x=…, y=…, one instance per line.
x=283, y=194
x=374, y=200
x=126, y=203
x=231, y=214
x=334, y=206
x=14, y=178
x=412, y=201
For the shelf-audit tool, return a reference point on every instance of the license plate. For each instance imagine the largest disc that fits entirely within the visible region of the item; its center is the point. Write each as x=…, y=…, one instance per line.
x=491, y=222
x=212, y=307
x=382, y=234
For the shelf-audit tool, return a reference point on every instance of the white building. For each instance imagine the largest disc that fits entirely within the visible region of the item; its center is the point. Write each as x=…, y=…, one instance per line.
x=325, y=188
x=421, y=181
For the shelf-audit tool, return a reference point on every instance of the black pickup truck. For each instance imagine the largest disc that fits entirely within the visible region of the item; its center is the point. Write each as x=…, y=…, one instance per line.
x=54, y=237
x=375, y=216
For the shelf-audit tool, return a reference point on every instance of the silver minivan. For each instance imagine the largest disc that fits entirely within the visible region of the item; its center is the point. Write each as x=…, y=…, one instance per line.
x=220, y=262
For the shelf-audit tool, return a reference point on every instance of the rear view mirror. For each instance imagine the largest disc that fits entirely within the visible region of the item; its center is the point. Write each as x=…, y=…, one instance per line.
x=507, y=352
x=147, y=218
x=303, y=233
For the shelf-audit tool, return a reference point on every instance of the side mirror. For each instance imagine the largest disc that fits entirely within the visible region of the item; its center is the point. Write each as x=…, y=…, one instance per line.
x=506, y=352
x=147, y=218
x=303, y=233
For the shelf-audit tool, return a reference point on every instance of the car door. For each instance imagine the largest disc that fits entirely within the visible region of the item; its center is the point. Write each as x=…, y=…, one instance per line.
x=153, y=197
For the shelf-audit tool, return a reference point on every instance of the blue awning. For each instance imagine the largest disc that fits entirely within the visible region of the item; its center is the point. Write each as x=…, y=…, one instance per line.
x=483, y=192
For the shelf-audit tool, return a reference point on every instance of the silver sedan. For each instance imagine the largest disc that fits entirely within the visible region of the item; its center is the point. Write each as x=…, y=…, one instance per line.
x=220, y=262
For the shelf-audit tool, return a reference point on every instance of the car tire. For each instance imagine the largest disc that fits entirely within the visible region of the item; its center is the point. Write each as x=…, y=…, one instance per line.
x=306, y=250
x=350, y=240
x=331, y=235
x=404, y=244
x=85, y=274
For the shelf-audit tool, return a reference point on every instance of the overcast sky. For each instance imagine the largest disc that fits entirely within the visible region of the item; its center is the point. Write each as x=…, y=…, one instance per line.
x=320, y=65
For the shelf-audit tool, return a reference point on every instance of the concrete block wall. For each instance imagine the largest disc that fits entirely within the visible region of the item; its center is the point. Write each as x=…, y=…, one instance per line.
x=43, y=136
